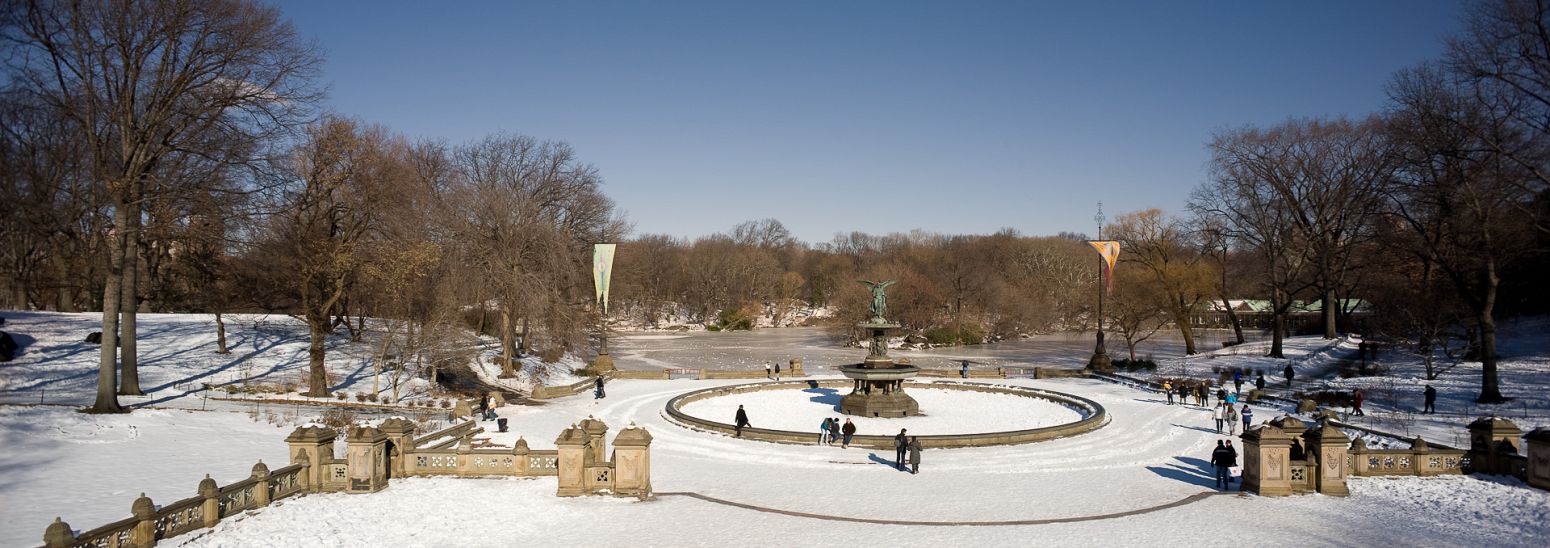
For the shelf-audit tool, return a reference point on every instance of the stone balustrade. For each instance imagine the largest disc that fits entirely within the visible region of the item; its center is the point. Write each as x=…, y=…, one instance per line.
x=149, y=524
x=373, y=456
x=1271, y=470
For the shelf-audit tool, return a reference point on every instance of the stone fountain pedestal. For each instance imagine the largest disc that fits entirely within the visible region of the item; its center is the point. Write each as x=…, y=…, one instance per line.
x=879, y=382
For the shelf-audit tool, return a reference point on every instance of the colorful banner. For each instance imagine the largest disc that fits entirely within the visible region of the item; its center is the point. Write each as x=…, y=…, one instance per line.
x=1109, y=250
x=602, y=270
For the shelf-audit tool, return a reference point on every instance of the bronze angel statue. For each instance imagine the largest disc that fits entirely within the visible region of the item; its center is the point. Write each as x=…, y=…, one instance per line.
x=879, y=300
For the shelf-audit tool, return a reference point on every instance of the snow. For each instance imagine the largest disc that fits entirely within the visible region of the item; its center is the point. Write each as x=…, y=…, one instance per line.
x=89, y=468
x=942, y=411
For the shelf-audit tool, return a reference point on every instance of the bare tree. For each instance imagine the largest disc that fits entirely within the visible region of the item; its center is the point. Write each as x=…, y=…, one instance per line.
x=143, y=81
x=1161, y=248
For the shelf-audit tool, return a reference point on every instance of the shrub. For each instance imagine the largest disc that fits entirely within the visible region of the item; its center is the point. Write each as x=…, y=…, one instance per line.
x=446, y=404
x=371, y=398
x=735, y=319
x=340, y=396
x=360, y=396
x=955, y=334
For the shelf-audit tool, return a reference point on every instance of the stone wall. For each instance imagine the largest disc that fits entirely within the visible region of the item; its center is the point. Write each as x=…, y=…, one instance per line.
x=375, y=455
x=212, y=503
x=1329, y=457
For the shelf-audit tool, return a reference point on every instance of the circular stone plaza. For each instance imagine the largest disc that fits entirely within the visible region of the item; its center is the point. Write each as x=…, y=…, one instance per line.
x=1137, y=477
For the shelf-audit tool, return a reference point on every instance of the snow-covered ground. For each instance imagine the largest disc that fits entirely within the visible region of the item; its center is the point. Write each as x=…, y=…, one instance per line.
x=88, y=469
x=1394, y=399
x=942, y=411
x=1151, y=454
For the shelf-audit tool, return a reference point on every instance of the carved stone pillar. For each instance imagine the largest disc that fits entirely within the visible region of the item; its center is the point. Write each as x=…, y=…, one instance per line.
x=317, y=445
x=632, y=463
x=1329, y=444
x=1267, y=461
x=573, y=457
x=1538, y=458
x=366, y=460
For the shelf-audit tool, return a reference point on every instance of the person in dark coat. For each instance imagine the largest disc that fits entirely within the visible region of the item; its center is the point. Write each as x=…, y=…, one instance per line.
x=914, y=455
x=777, y=371
x=834, y=430
x=1248, y=418
x=1234, y=452
x=1237, y=381
x=1356, y=402
x=1289, y=374
x=1431, y=400
x=597, y=389
x=742, y=420
x=1259, y=382
x=1222, y=460
x=901, y=443
x=1221, y=395
x=849, y=431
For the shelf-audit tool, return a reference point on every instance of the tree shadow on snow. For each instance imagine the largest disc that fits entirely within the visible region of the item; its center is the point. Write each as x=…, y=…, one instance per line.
x=886, y=462
x=1188, y=470
x=826, y=396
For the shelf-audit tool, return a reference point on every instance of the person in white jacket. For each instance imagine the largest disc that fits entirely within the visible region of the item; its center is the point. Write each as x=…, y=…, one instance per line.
x=1220, y=414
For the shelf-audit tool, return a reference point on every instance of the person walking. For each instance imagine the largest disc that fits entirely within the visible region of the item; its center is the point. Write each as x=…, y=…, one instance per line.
x=1233, y=462
x=914, y=455
x=597, y=389
x=1232, y=420
x=849, y=431
x=1183, y=393
x=742, y=420
x=767, y=373
x=901, y=443
x=1248, y=418
x=1202, y=394
x=964, y=370
x=1220, y=414
x=777, y=371
x=823, y=431
x=1167, y=388
x=1356, y=402
x=1259, y=382
x=1237, y=381
x=1232, y=399
x=1221, y=395
x=834, y=430
x=1221, y=459
x=1289, y=374
x=1431, y=400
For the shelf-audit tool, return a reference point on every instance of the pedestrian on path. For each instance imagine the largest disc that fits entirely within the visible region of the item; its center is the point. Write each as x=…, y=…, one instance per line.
x=1183, y=393
x=597, y=389
x=742, y=420
x=1259, y=382
x=1431, y=400
x=914, y=455
x=1356, y=402
x=834, y=430
x=823, y=431
x=1232, y=399
x=1221, y=395
x=1220, y=414
x=1232, y=420
x=1234, y=462
x=767, y=373
x=1237, y=381
x=1248, y=418
x=1289, y=374
x=849, y=430
x=1222, y=460
x=964, y=371
x=1167, y=388
x=777, y=371
x=901, y=443
x=1201, y=394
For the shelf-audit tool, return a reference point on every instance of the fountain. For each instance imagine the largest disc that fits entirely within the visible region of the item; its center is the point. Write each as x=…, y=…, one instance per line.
x=879, y=382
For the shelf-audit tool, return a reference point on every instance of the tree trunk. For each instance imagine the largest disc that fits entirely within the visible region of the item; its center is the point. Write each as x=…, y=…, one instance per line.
x=319, y=326
x=1232, y=317
x=107, y=365
x=1490, y=389
x=1328, y=313
x=220, y=335
x=506, y=369
x=1182, y=320
x=360, y=327
x=522, y=347
x=130, y=305
x=1277, y=334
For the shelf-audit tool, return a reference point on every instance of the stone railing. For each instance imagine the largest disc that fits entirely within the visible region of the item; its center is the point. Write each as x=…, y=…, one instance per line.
x=149, y=524
x=1270, y=470
x=997, y=373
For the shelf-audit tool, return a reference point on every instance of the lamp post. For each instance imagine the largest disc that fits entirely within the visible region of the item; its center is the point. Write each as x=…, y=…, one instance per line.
x=1100, y=360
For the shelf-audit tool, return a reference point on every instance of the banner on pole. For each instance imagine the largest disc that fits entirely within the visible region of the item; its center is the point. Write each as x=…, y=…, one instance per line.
x=602, y=270
x=1109, y=250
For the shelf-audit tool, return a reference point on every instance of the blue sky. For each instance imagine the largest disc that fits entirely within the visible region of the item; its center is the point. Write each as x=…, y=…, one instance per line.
x=953, y=117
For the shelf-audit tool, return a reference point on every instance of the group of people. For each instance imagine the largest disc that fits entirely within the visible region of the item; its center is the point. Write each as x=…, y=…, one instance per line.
x=772, y=371
x=1226, y=415
x=906, y=444
x=831, y=430
x=1224, y=458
